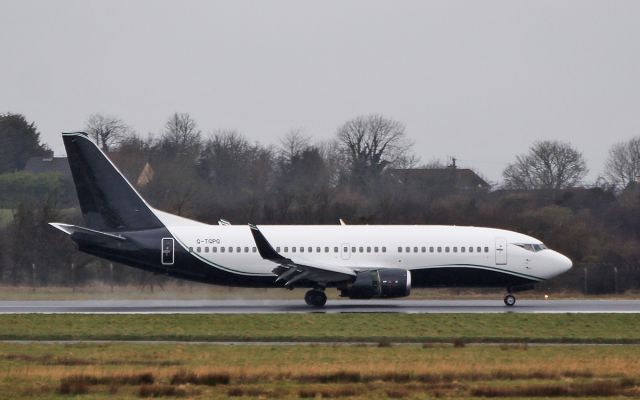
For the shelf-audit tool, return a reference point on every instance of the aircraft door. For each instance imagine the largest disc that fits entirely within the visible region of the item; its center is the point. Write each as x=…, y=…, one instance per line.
x=501, y=251
x=167, y=251
x=345, y=251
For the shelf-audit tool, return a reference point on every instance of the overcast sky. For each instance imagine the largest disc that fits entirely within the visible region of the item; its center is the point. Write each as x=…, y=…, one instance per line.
x=479, y=80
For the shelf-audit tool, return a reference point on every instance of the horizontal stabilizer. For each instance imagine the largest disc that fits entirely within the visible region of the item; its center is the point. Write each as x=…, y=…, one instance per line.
x=71, y=229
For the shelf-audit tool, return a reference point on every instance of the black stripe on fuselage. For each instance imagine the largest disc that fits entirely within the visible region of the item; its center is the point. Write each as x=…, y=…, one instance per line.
x=461, y=275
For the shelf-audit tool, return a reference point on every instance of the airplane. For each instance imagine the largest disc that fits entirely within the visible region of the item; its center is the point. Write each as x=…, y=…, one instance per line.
x=360, y=261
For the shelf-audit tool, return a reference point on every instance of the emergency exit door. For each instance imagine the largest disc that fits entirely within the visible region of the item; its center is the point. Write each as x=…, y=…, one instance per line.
x=167, y=251
x=501, y=251
x=345, y=251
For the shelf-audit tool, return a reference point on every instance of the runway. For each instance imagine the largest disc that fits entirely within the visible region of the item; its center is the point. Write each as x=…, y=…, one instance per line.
x=297, y=306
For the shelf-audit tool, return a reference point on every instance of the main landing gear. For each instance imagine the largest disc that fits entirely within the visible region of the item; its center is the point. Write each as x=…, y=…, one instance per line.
x=509, y=300
x=315, y=298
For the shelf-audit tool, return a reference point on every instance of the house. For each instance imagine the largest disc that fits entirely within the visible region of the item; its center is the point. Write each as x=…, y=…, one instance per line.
x=38, y=165
x=440, y=179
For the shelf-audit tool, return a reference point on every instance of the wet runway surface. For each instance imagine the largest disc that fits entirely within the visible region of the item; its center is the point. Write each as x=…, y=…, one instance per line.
x=298, y=306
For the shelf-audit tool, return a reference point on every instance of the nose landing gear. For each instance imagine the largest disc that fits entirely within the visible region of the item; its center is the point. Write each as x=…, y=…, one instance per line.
x=509, y=300
x=315, y=298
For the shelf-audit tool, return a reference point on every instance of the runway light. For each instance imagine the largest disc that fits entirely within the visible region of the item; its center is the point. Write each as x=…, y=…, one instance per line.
x=546, y=297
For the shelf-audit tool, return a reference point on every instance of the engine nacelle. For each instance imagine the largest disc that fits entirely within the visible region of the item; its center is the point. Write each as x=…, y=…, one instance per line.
x=379, y=283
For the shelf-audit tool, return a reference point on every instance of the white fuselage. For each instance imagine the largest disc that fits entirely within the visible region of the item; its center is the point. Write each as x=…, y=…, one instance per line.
x=361, y=247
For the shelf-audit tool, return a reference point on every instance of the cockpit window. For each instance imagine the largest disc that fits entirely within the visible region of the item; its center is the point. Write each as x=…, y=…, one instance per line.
x=532, y=247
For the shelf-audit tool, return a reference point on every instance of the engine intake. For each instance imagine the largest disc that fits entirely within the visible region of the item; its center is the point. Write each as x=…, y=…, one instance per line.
x=379, y=283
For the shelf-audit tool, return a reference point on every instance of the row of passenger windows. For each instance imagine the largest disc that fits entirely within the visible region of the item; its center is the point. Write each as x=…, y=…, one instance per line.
x=354, y=249
x=229, y=249
x=447, y=249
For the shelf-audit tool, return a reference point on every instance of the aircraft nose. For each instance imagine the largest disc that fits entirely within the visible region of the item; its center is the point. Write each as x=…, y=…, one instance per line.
x=564, y=262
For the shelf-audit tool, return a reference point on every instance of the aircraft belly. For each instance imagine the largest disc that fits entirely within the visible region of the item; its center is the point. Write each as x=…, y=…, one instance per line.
x=467, y=276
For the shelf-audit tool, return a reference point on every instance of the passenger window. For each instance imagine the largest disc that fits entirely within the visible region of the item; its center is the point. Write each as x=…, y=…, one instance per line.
x=222, y=249
x=470, y=249
x=286, y=249
x=254, y=249
x=353, y=249
x=423, y=249
x=368, y=249
x=335, y=249
x=206, y=249
x=198, y=249
x=384, y=249
x=479, y=249
x=463, y=249
x=455, y=249
x=326, y=249
x=447, y=249
x=407, y=249
x=345, y=250
x=375, y=249
x=431, y=249
x=399, y=249
x=486, y=249
x=278, y=249
x=415, y=249
x=214, y=249
x=439, y=249
x=238, y=249
x=318, y=250
x=310, y=249
x=246, y=249
x=301, y=249
x=190, y=248
x=230, y=249
x=361, y=249
x=293, y=249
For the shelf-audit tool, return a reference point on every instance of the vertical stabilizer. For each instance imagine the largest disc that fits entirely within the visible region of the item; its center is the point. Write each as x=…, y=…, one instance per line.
x=107, y=200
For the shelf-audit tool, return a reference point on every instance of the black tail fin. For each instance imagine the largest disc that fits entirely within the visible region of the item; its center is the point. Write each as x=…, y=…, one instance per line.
x=108, y=202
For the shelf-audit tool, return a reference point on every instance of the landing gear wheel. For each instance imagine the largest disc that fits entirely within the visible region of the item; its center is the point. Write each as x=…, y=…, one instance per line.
x=509, y=300
x=315, y=298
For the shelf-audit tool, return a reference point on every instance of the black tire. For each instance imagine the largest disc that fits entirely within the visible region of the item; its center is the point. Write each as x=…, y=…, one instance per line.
x=510, y=300
x=307, y=297
x=315, y=298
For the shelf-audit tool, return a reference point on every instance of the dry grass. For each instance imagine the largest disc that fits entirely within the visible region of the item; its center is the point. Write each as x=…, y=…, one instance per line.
x=354, y=372
x=161, y=391
x=210, y=379
x=600, y=388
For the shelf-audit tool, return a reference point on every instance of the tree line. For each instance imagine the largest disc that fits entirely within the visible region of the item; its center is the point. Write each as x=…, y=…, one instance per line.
x=222, y=174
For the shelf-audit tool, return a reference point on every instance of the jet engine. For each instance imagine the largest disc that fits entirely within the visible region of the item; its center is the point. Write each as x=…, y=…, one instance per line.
x=379, y=283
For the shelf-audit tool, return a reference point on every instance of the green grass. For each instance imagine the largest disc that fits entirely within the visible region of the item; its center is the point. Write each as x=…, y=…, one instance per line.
x=131, y=371
x=6, y=216
x=421, y=328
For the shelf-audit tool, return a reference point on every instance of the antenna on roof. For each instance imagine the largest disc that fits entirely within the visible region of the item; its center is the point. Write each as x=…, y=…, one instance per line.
x=453, y=164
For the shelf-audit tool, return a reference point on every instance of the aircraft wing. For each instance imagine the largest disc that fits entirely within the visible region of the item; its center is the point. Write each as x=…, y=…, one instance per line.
x=290, y=271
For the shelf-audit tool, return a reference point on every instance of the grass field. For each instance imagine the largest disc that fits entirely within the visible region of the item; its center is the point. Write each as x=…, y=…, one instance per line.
x=96, y=371
x=6, y=216
x=420, y=328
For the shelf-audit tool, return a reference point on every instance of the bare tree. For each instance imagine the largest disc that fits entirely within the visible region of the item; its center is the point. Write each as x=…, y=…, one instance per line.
x=623, y=164
x=548, y=165
x=372, y=142
x=293, y=144
x=106, y=130
x=181, y=134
